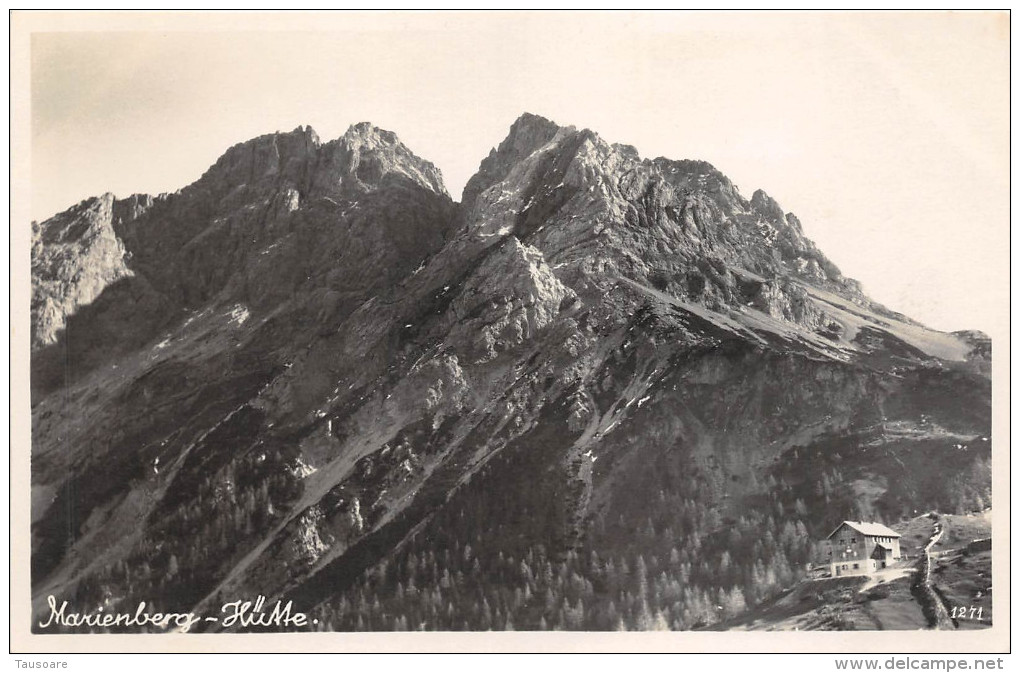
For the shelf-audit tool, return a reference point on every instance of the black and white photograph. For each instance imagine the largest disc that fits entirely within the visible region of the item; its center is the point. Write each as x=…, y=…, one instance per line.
x=467, y=322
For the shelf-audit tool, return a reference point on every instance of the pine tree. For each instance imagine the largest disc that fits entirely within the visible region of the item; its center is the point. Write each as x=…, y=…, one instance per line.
x=735, y=602
x=173, y=566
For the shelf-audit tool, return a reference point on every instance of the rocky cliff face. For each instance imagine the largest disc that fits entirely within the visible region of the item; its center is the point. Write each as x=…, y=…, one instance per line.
x=600, y=391
x=75, y=256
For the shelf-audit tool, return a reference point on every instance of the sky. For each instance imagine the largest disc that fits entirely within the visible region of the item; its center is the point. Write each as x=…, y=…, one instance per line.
x=886, y=133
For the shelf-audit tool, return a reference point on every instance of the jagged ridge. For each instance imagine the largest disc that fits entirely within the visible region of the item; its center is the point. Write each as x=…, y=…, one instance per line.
x=334, y=366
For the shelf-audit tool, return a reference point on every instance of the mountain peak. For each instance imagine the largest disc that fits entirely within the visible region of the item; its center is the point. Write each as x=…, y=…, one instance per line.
x=366, y=133
x=529, y=121
x=528, y=133
x=366, y=155
x=271, y=156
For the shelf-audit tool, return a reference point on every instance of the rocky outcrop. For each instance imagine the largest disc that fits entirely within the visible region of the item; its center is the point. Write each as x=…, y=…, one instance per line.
x=490, y=317
x=528, y=134
x=767, y=208
x=75, y=256
x=602, y=211
x=364, y=158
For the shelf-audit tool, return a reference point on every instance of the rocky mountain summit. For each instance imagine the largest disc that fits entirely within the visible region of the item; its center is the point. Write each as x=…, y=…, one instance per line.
x=601, y=391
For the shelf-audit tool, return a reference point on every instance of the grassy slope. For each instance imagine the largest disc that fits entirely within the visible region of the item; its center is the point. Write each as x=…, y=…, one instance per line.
x=839, y=603
x=964, y=581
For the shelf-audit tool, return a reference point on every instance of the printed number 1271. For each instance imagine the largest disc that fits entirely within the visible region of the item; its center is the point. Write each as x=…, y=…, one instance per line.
x=972, y=612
